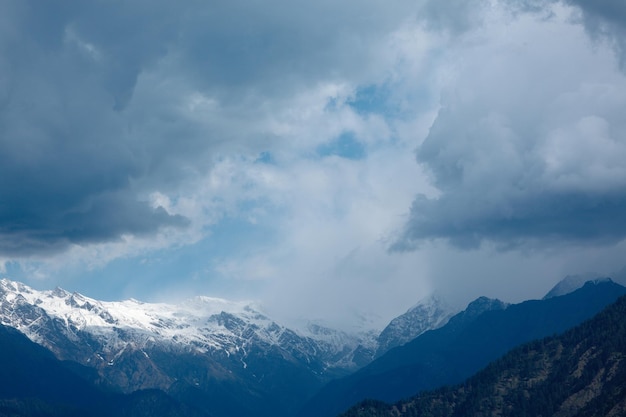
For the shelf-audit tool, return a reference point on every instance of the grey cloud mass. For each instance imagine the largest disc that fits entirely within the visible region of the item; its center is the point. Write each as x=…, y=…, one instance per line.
x=94, y=98
x=606, y=18
x=69, y=161
x=602, y=18
x=523, y=155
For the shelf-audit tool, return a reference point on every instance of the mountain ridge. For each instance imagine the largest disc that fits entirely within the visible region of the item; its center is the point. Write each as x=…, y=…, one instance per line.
x=229, y=358
x=578, y=373
x=468, y=342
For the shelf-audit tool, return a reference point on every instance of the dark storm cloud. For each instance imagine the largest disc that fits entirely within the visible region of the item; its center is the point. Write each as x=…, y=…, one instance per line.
x=95, y=98
x=48, y=229
x=70, y=168
x=270, y=48
x=602, y=18
x=497, y=185
x=549, y=218
x=455, y=16
x=606, y=18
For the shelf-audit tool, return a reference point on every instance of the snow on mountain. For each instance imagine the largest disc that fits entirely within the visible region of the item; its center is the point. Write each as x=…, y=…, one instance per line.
x=195, y=322
x=86, y=330
x=428, y=314
x=200, y=324
x=346, y=349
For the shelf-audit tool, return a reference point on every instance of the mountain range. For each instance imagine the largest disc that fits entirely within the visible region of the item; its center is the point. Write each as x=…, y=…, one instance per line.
x=212, y=357
x=227, y=358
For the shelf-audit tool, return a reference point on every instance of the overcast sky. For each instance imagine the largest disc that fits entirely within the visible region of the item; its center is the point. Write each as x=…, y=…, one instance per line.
x=330, y=159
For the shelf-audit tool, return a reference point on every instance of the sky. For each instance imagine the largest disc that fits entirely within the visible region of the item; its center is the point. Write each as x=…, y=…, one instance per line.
x=333, y=161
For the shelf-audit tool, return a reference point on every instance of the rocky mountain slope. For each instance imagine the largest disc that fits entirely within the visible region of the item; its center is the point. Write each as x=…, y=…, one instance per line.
x=580, y=373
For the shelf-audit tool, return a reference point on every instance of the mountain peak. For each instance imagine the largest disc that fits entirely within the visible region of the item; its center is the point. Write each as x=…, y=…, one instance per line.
x=478, y=307
x=482, y=304
x=14, y=286
x=59, y=292
x=573, y=282
x=429, y=313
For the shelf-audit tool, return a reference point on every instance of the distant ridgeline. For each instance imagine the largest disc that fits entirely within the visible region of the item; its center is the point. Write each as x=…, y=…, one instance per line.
x=579, y=373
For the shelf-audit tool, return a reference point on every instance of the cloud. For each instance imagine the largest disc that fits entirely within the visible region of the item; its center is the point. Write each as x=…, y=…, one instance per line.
x=606, y=19
x=455, y=16
x=267, y=149
x=528, y=145
x=104, y=104
x=69, y=163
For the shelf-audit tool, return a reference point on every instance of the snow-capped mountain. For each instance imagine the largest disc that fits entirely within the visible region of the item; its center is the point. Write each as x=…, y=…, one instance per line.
x=428, y=314
x=204, y=347
x=200, y=324
x=224, y=357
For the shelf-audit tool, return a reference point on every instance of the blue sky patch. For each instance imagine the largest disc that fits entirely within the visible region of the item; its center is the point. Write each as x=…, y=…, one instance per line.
x=372, y=99
x=345, y=146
